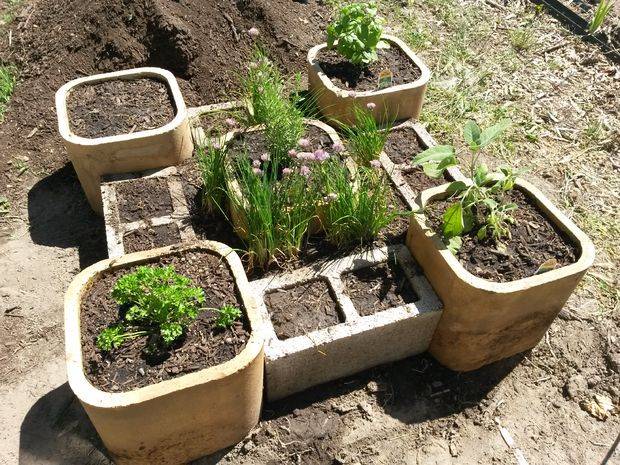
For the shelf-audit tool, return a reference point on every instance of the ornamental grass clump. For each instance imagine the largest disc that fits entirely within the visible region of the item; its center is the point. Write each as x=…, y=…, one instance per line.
x=366, y=139
x=480, y=206
x=356, y=33
x=355, y=207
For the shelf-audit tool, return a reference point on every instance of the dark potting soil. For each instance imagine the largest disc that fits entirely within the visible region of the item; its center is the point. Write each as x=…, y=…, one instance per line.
x=255, y=143
x=345, y=75
x=302, y=309
x=534, y=241
x=121, y=106
x=419, y=181
x=376, y=288
x=203, y=345
x=402, y=145
x=142, y=199
x=151, y=237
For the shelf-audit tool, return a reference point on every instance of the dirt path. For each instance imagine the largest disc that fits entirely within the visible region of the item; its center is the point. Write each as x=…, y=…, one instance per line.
x=410, y=412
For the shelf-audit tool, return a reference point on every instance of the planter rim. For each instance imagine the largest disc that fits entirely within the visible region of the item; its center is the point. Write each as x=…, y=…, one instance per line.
x=552, y=214
x=63, y=119
x=421, y=81
x=89, y=394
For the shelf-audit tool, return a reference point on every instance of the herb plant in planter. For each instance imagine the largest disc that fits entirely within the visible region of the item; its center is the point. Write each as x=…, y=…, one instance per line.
x=165, y=352
x=360, y=64
x=499, y=254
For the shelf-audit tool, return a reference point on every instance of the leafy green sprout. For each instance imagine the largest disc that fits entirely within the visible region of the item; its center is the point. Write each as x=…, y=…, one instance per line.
x=212, y=165
x=8, y=78
x=160, y=302
x=601, y=12
x=482, y=196
x=356, y=33
x=226, y=316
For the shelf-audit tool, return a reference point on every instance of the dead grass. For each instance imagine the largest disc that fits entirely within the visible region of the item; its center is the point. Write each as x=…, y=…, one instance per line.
x=491, y=61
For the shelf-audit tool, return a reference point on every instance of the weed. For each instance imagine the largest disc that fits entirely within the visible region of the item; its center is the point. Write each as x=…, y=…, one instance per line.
x=7, y=85
x=601, y=12
x=521, y=39
x=226, y=316
x=160, y=302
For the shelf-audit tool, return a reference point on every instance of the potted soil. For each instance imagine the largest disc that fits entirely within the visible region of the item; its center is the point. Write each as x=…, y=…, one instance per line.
x=165, y=352
x=356, y=68
x=123, y=121
x=499, y=254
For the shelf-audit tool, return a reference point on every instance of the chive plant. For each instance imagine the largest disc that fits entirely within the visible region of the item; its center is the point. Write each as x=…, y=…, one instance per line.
x=212, y=165
x=366, y=139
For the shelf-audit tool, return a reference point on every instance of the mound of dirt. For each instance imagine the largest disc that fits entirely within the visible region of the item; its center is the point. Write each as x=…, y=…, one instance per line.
x=203, y=42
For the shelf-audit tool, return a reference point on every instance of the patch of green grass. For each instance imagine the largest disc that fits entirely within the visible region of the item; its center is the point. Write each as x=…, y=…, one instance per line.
x=522, y=39
x=8, y=78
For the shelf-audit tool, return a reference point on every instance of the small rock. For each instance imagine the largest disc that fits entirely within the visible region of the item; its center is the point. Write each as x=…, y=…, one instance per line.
x=575, y=386
x=141, y=371
x=372, y=387
x=247, y=447
x=228, y=340
x=296, y=412
x=365, y=408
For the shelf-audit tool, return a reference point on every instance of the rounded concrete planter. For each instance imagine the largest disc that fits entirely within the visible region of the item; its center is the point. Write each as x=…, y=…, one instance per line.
x=180, y=419
x=485, y=321
x=394, y=103
x=238, y=219
x=154, y=148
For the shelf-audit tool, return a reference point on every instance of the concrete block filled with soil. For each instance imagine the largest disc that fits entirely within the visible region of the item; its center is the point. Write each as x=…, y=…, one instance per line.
x=120, y=122
x=344, y=316
x=144, y=211
x=188, y=397
x=499, y=299
x=339, y=86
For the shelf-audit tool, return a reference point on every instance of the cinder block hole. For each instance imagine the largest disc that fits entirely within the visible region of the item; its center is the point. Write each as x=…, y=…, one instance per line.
x=302, y=308
x=152, y=237
x=379, y=287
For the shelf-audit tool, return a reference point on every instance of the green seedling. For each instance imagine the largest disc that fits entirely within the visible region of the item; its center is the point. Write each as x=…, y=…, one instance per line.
x=226, y=316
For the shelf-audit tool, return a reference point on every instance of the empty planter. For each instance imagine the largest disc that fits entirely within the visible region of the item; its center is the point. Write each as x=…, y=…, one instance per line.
x=123, y=121
x=485, y=321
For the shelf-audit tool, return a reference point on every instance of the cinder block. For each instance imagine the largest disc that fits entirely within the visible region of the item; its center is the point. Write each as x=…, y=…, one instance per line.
x=360, y=342
x=116, y=229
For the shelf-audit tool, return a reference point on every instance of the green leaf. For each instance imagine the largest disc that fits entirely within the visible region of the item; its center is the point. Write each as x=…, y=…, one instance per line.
x=482, y=233
x=490, y=134
x=436, y=154
x=471, y=134
x=454, y=244
x=468, y=220
x=481, y=174
x=456, y=187
x=453, y=221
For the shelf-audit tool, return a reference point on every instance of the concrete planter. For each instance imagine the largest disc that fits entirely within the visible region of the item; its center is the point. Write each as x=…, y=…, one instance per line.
x=485, y=321
x=117, y=231
x=358, y=343
x=122, y=153
x=237, y=218
x=181, y=419
x=393, y=103
x=199, y=132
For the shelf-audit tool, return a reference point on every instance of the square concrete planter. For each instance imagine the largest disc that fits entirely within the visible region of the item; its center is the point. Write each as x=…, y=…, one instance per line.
x=181, y=419
x=155, y=148
x=485, y=321
x=199, y=131
x=393, y=103
x=358, y=343
x=119, y=233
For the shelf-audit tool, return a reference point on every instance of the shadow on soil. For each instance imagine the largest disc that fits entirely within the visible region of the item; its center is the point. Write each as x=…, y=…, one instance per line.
x=59, y=216
x=56, y=430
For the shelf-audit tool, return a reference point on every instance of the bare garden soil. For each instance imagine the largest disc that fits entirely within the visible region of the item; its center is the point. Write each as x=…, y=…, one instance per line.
x=402, y=145
x=143, y=199
x=302, y=309
x=151, y=237
x=345, y=75
x=143, y=360
x=533, y=241
x=380, y=287
x=120, y=106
